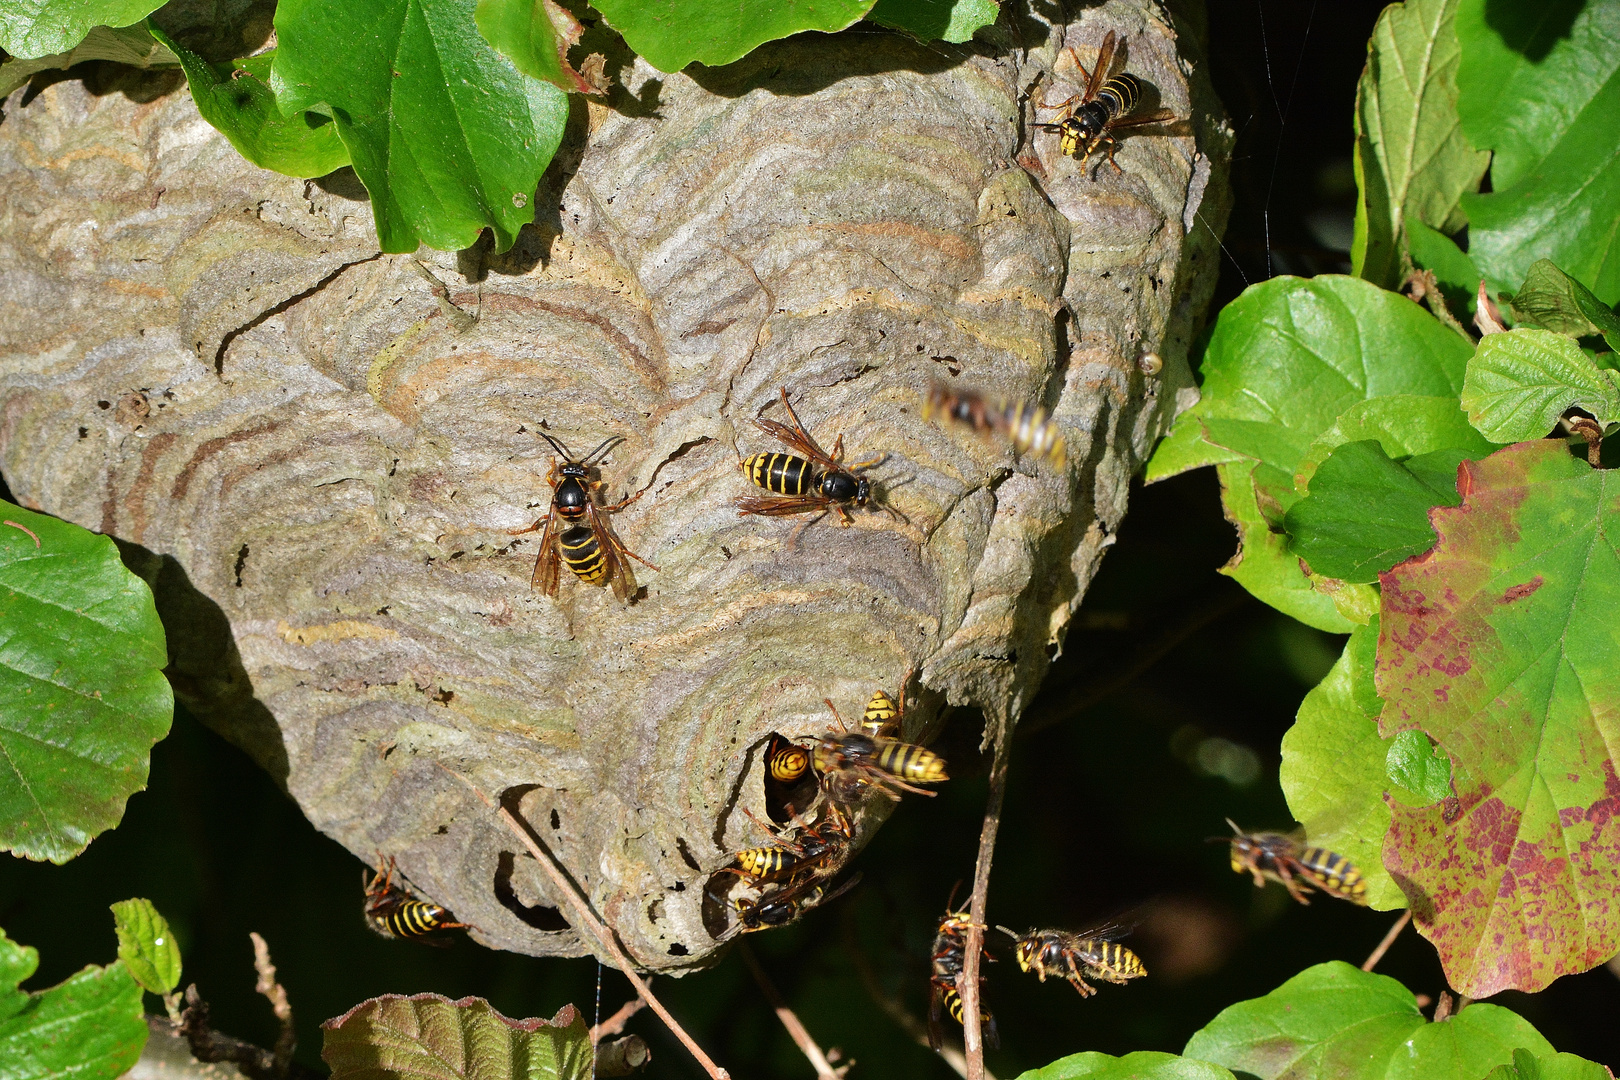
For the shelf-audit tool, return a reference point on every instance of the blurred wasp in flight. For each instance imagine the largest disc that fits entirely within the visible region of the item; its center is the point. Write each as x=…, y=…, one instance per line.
x=1104, y=108
x=817, y=483
x=1072, y=957
x=392, y=911
x=1024, y=424
x=1287, y=861
x=576, y=530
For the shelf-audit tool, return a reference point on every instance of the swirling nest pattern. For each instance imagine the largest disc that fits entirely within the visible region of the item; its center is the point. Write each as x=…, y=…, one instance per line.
x=317, y=461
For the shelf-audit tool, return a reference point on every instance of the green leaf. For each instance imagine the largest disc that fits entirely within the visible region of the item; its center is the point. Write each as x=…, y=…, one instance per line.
x=82, y=693
x=236, y=101
x=30, y=29
x=1418, y=767
x=1414, y=163
x=669, y=34
x=1552, y=299
x=1285, y=359
x=1499, y=645
x=1333, y=767
x=130, y=45
x=1527, y=1066
x=1364, y=514
x=1142, y=1065
x=448, y=137
x=1539, y=84
x=1453, y=270
x=535, y=36
x=1519, y=384
x=146, y=945
x=1334, y=1022
x=1405, y=425
x=90, y=1027
x=936, y=20
x=429, y=1036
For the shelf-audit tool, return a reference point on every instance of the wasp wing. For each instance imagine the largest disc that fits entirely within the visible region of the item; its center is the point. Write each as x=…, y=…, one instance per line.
x=783, y=505
x=798, y=439
x=1160, y=116
x=617, y=567
x=1105, y=61
x=549, y=560
x=936, y=1009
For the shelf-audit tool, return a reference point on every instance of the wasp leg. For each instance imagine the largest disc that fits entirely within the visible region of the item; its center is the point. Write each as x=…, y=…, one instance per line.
x=1060, y=105
x=532, y=528
x=1112, y=146
x=1296, y=889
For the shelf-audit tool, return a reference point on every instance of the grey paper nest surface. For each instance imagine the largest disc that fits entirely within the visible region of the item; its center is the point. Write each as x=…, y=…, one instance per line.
x=317, y=463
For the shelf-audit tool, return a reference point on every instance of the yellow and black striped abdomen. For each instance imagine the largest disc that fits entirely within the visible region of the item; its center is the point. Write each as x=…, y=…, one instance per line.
x=1333, y=873
x=953, y=1005
x=1120, y=95
x=1110, y=960
x=414, y=918
x=880, y=711
x=1033, y=432
x=781, y=473
x=764, y=861
x=584, y=555
x=910, y=762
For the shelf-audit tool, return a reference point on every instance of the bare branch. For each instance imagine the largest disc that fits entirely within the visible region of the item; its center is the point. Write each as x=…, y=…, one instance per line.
x=287, y=1039
x=790, y=1020
x=1389, y=939
x=614, y=1024
x=967, y=983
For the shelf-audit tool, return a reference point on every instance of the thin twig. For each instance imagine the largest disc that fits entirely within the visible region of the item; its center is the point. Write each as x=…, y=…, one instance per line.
x=1389, y=939
x=790, y=1020
x=592, y=923
x=614, y=1024
x=967, y=983
x=25, y=529
x=915, y=1029
x=276, y=994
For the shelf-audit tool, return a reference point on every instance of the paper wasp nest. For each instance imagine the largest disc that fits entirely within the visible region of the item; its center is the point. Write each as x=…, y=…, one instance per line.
x=317, y=463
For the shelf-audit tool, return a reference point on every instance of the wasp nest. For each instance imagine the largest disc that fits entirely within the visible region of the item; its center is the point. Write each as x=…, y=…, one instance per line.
x=318, y=454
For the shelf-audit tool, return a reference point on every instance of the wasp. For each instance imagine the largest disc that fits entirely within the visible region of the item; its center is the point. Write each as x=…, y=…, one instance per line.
x=576, y=530
x=1069, y=956
x=784, y=905
x=790, y=783
x=849, y=762
x=1026, y=425
x=814, y=850
x=392, y=912
x=1286, y=860
x=1104, y=108
x=818, y=481
x=948, y=960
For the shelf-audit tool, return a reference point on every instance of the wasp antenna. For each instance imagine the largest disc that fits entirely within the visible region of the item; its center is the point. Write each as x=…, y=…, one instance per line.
x=557, y=445
x=1008, y=932
x=1234, y=825
x=607, y=444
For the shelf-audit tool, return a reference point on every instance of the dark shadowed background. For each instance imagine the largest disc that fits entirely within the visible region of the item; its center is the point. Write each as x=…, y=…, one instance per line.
x=1162, y=717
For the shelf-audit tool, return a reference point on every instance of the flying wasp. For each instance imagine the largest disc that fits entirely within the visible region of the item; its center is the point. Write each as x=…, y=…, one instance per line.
x=393, y=912
x=948, y=960
x=1072, y=957
x=1026, y=425
x=817, y=483
x=1104, y=108
x=576, y=530
x=1286, y=860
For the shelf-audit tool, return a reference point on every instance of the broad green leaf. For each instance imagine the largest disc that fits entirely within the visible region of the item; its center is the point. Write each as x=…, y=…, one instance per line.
x=1413, y=161
x=1285, y=359
x=90, y=1027
x=1418, y=767
x=535, y=36
x=146, y=945
x=30, y=29
x=1527, y=1066
x=1333, y=772
x=428, y=1037
x=1334, y=1022
x=1263, y=564
x=448, y=137
x=1555, y=301
x=1142, y=1065
x=236, y=101
x=130, y=45
x=1519, y=384
x=1539, y=84
x=1405, y=425
x=1500, y=645
x=82, y=692
x=1453, y=270
x=669, y=34
x=936, y=20
x=1364, y=514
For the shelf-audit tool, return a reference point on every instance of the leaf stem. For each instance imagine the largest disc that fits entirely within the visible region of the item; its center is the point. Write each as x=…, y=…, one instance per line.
x=1389, y=939
x=790, y=1020
x=614, y=1024
x=967, y=983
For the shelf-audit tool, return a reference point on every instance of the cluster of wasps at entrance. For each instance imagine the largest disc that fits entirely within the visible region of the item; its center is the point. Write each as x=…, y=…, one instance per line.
x=814, y=788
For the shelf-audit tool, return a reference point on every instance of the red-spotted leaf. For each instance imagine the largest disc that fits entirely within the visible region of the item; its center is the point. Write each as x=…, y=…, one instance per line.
x=1501, y=644
x=430, y=1037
